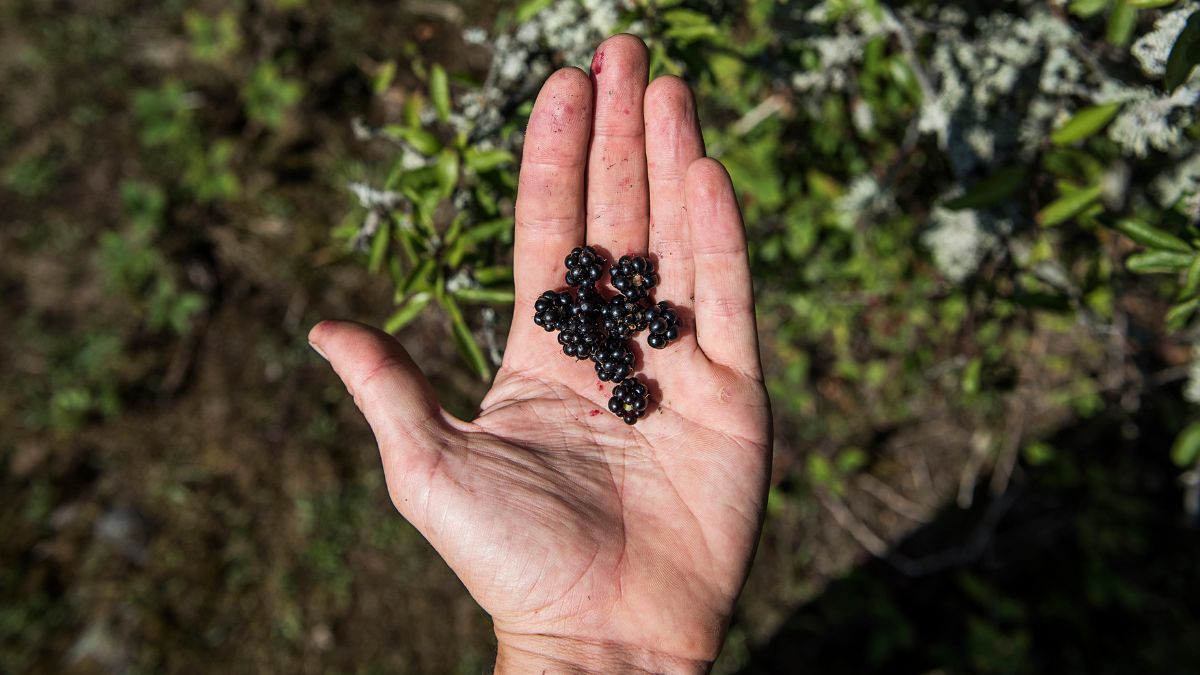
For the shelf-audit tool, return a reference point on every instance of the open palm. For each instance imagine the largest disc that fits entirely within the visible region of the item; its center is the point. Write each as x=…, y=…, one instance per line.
x=591, y=543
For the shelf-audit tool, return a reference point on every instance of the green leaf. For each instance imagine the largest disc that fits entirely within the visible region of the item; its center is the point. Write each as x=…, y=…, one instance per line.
x=1068, y=206
x=1186, y=450
x=384, y=77
x=439, y=91
x=851, y=460
x=821, y=473
x=972, y=376
x=1038, y=453
x=417, y=277
x=1084, y=124
x=1121, y=23
x=688, y=25
x=447, y=173
x=379, y=245
x=455, y=229
x=405, y=315
x=488, y=296
x=1158, y=262
x=1088, y=8
x=465, y=339
x=530, y=9
x=494, y=275
x=486, y=160
x=1149, y=236
x=1179, y=315
x=990, y=191
x=488, y=231
x=1185, y=54
x=1150, y=4
x=421, y=140
x=1191, y=285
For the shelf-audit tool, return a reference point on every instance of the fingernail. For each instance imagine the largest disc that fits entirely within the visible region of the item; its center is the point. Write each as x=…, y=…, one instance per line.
x=317, y=349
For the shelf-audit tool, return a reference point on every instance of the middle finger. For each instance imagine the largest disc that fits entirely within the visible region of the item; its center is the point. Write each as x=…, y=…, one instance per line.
x=618, y=205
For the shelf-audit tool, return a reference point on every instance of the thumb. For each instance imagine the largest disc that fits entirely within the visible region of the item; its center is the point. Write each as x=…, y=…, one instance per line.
x=392, y=393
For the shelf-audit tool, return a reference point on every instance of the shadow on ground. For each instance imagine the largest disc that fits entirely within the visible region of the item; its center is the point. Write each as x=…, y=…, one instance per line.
x=1087, y=565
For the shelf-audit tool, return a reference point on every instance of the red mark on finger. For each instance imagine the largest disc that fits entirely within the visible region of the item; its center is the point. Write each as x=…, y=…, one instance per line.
x=598, y=62
x=593, y=412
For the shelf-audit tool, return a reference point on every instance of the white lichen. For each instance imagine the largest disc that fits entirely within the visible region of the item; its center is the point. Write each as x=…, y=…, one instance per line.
x=959, y=242
x=864, y=199
x=1155, y=122
x=1152, y=49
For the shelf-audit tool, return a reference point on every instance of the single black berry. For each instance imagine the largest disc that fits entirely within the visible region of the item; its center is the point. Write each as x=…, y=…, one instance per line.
x=588, y=303
x=623, y=317
x=614, y=362
x=584, y=266
x=633, y=277
x=629, y=400
x=551, y=310
x=662, y=323
x=581, y=336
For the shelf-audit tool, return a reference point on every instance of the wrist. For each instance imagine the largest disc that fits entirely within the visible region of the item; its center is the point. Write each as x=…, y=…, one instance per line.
x=556, y=654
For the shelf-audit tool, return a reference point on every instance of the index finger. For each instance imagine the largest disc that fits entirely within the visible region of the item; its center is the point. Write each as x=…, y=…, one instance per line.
x=551, y=206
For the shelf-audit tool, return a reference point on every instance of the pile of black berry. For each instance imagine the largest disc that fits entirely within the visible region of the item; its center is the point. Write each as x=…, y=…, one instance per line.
x=591, y=327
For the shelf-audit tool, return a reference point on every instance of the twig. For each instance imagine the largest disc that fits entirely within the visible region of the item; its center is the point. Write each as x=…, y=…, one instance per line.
x=873, y=543
x=1019, y=403
x=772, y=105
x=893, y=499
x=923, y=479
x=893, y=22
x=970, y=472
x=974, y=547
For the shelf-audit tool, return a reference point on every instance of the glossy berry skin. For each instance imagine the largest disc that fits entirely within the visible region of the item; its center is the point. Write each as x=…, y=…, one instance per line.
x=580, y=337
x=662, y=323
x=588, y=303
x=614, y=362
x=629, y=400
x=634, y=277
x=552, y=310
x=623, y=317
x=584, y=267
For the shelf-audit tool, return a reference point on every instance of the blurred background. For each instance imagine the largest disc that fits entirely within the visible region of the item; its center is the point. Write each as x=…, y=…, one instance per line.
x=973, y=230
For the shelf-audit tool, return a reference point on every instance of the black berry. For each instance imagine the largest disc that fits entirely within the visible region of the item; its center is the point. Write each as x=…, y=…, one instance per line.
x=629, y=400
x=551, y=310
x=614, y=362
x=588, y=303
x=662, y=323
x=580, y=337
x=633, y=277
x=623, y=317
x=584, y=267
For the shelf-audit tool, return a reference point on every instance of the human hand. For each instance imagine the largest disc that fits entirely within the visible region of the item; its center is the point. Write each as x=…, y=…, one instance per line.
x=593, y=545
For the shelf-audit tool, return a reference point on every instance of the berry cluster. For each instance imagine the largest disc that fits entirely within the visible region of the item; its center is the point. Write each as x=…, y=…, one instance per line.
x=590, y=327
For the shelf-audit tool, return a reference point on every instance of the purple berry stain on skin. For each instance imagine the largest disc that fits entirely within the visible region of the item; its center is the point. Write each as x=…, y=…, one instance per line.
x=598, y=62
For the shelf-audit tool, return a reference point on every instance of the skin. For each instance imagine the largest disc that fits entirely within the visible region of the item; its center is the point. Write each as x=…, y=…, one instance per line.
x=595, y=546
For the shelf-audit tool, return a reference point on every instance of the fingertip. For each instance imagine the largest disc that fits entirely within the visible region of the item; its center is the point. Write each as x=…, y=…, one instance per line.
x=564, y=104
x=668, y=93
x=318, y=331
x=570, y=79
x=318, y=334
x=707, y=178
x=621, y=56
